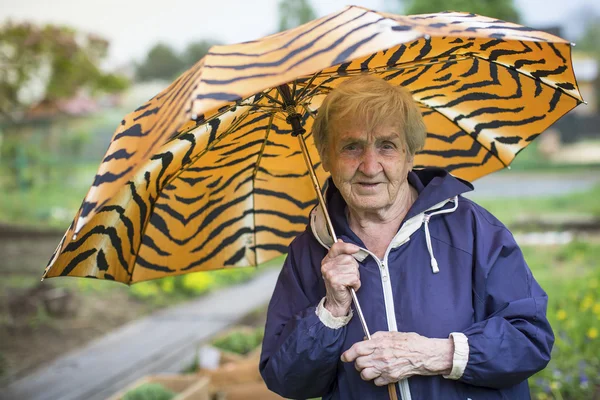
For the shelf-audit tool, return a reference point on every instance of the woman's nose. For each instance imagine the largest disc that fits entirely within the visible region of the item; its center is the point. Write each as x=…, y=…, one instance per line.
x=370, y=165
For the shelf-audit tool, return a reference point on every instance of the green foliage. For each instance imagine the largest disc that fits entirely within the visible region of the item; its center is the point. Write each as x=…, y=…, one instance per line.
x=531, y=159
x=589, y=43
x=163, y=62
x=51, y=195
x=240, y=341
x=195, y=51
x=56, y=58
x=293, y=13
x=501, y=9
x=170, y=289
x=149, y=391
x=590, y=38
x=573, y=287
x=508, y=210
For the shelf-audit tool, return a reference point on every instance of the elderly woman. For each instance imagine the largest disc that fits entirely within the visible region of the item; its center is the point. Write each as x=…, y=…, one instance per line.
x=456, y=311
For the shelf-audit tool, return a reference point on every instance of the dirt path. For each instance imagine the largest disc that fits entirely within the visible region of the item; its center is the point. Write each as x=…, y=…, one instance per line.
x=30, y=336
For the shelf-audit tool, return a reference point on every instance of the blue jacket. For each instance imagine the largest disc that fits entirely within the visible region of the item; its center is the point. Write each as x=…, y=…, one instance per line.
x=452, y=267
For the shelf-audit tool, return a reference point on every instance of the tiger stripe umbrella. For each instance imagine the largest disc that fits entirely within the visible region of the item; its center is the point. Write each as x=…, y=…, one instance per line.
x=207, y=175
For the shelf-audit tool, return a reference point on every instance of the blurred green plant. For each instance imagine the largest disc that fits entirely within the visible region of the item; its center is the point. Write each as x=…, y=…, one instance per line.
x=293, y=13
x=241, y=341
x=573, y=287
x=165, y=63
x=149, y=391
x=46, y=63
x=509, y=210
x=162, y=62
x=501, y=9
x=175, y=288
x=589, y=44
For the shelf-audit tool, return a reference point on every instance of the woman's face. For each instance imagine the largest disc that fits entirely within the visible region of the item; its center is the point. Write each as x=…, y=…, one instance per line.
x=369, y=168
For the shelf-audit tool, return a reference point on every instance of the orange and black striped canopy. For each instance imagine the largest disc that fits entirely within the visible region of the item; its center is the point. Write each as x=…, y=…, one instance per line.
x=206, y=175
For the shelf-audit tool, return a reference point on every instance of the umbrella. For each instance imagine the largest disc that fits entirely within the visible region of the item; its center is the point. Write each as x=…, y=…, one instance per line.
x=207, y=174
x=212, y=172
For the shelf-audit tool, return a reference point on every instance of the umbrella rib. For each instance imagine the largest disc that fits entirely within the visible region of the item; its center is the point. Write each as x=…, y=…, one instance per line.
x=268, y=96
x=312, y=79
x=262, y=149
x=314, y=90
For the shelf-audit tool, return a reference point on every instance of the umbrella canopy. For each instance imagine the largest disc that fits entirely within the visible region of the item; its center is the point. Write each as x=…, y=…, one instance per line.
x=206, y=174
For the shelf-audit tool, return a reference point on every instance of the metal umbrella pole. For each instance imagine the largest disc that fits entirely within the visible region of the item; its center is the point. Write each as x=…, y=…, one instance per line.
x=294, y=119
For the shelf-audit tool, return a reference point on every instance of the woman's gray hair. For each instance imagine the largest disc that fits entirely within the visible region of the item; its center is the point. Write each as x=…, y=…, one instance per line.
x=369, y=102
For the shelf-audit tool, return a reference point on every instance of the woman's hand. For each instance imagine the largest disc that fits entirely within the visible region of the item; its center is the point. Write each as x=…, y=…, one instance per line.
x=392, y=356
x=340, y=273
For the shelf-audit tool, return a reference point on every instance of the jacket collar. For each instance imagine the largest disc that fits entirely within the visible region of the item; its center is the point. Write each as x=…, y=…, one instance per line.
x=435, y=188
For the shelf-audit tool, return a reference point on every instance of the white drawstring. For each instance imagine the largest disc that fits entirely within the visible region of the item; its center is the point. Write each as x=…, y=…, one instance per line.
x=426, y=217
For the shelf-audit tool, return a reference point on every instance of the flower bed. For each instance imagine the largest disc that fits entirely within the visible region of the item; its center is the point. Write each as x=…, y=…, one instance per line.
x=574, y=313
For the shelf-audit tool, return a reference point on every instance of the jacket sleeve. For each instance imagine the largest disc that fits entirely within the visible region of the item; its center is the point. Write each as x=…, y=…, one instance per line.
x=511, y=338
x=299, y=354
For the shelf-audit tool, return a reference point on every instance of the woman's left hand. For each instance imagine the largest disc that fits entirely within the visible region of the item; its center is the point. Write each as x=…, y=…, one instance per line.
x=392, y=356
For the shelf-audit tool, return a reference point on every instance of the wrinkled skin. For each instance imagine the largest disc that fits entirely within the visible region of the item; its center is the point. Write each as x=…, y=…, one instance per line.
x=392, y=356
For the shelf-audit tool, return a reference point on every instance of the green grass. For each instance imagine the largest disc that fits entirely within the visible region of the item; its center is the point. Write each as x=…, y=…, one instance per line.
x=48, y=205
x=508, y=210
x=571, y=277
x=530, y=159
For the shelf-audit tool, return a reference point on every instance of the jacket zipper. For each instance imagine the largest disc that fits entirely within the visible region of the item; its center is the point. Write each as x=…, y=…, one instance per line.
x=390, y=312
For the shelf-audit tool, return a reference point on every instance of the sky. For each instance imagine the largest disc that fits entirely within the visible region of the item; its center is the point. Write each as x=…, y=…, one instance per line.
x=134, y=26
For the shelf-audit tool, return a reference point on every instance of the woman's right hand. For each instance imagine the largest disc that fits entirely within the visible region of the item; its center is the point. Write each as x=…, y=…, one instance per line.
x=340, y=273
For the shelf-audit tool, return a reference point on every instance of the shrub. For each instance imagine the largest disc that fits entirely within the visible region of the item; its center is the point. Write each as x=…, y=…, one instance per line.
x=574, y=313
x=240, y=341
x=149, y=391
x=169, y=289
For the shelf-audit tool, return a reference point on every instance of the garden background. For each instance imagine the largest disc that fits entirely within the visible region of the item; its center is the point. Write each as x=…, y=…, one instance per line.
x=56, y=124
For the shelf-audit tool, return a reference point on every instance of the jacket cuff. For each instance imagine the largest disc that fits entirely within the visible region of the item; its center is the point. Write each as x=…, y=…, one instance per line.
x=460, y=357
x=328, y=319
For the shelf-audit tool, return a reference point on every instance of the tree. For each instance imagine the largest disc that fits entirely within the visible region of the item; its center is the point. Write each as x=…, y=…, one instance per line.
x=294, y=12
x=589, y=44
x=591, y=38
x=501, y=9
x=49, y=63
x=195, y=51
x=42, y=65
x=162, y=62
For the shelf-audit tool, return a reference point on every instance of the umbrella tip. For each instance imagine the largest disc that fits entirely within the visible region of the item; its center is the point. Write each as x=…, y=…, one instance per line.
x=508, y=167
x=426, y=37
x=585, y=102
x=572, y=44
x=194, y=116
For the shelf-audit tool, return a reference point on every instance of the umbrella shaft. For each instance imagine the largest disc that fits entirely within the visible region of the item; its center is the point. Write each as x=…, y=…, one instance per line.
x=315, y=182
